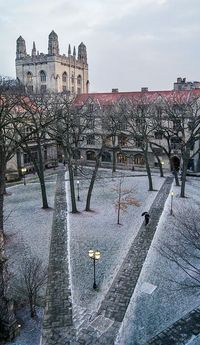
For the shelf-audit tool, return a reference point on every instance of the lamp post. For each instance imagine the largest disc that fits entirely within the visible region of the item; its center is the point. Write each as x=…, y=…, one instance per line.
x=171, y=210
x=23, y=170
x=78, y=197
x=94, y=255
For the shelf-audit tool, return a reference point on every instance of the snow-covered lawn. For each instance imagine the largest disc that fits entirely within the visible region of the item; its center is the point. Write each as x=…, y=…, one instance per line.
x=150, y=313
x=99, y=230
x=28, y=227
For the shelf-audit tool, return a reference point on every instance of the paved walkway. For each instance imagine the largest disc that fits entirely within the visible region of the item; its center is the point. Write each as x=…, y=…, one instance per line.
x=183, y=331
x=104, y=328
x=57, y=323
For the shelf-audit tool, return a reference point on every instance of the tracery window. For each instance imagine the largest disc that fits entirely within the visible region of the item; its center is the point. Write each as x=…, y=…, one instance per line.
x=42, y=76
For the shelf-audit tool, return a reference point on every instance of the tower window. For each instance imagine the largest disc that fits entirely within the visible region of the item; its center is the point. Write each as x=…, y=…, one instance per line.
x=72, y=79
x=29, y=77
x=42, y=76
x=64, y=77
x=79, y=80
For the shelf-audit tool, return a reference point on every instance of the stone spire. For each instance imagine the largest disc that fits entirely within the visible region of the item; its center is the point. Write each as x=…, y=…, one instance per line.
x=21, y=48
x=53, y=46
x=34, y=50
x=82, y=53
x=69, y=50
x=74, y=52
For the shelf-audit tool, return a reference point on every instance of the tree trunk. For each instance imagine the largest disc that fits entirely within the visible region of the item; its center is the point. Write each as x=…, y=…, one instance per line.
x=41, y=179
x=183, y=177
x=93, y=178
x=148, y=170
x=32, y=306
x=72, y=190
x=114, y=160
x=159, y=162
x=176, y=177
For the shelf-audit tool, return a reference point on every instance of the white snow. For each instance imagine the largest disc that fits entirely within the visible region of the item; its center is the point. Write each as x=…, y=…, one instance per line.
x=29, y=231
x=98, y=229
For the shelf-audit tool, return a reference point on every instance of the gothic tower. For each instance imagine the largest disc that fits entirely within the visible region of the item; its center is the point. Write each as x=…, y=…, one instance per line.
x=21, y=48
x=53, y=46
x=82, y=53
x=52, y=72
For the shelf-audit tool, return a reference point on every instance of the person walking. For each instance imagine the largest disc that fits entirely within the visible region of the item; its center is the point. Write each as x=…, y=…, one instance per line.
x=146, y=217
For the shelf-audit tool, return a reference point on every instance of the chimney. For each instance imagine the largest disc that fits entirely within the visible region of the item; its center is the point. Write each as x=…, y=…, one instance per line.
x=115, y=90
x=144, y=89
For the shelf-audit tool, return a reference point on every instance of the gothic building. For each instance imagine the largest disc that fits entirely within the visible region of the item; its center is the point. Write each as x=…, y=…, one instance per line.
x=52, y=72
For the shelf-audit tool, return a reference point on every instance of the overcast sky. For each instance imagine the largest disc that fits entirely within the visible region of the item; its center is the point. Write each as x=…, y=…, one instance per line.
x=130, y=43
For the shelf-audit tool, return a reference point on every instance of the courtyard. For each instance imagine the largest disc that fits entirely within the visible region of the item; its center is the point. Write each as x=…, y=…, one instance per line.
x=156, y=302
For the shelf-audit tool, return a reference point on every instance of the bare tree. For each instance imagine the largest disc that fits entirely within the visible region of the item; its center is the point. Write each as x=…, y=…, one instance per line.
x=123, y=199
x=183, y=111
x=31, y=124
x=33, y=277
x=138, y=114
x=184, y=251
x=70, y=123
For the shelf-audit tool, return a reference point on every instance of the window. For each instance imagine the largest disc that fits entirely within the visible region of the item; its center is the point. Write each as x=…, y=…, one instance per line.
x=72, y=89
x=139, y=159
x=91, y=107
x=78, y=90
x=158, y=135
x=90, y=122
x=64, y=88
x=90, y=155
x=29, y=77
x=175, y=143
x=138, y=142
x=121, y=158
x=90, y=139
x=64, y=77
x=43, y=88
x=122, y=126
x=72, y=78
x=30, y=88
x=122, y=140
x=79, y=80
x=177, y=125
x=42, y=76
x=106, y=157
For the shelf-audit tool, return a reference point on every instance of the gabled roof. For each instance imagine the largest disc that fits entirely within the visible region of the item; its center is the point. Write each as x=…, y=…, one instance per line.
x=108, y=98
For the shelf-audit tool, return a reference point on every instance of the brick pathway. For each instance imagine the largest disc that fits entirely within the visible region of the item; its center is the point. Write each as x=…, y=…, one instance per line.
x=104, y=328
x=57, y=323
x=181, y=332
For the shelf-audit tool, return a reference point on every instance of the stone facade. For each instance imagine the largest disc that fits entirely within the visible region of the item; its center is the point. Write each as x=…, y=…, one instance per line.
x=183, y=84
x=53, y=72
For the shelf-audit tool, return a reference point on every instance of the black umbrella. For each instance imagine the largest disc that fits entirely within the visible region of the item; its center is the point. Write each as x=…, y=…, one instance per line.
x=143, y=214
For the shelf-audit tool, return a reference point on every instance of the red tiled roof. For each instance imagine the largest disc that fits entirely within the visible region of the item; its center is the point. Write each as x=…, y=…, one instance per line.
x=107, y=98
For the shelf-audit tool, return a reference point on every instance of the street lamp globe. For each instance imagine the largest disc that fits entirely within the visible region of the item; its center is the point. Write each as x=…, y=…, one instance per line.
x=91, y=253
x=97, y=255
